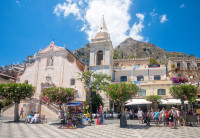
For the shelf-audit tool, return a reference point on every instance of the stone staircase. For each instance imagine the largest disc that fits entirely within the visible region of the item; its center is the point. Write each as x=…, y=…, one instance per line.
x=49, y=110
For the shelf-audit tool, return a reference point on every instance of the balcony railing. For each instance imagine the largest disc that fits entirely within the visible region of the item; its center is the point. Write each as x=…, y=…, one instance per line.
x=188, y=68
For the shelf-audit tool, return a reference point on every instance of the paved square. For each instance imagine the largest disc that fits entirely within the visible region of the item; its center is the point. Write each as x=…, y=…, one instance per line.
x=112, y=130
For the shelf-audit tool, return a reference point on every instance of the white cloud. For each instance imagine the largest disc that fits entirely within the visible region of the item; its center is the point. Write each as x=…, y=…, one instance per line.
x=137, y=28
x=163, y=18
x=116, y=14
x=153, y=13
x=182, y=5
x=18, y=2
x=83, y=28
x=67, y=9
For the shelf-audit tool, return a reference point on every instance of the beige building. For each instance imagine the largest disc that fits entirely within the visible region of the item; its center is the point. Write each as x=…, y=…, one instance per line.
x=152, y=79
x=184, y=66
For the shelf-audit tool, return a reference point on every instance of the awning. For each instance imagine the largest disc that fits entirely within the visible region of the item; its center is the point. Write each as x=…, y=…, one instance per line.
x=138, y=101
x=172, y=101
x=74, y=104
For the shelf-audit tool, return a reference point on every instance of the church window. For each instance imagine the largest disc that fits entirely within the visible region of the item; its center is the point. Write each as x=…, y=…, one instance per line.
x=50, y=61
x=100, y=57
x=72, y=81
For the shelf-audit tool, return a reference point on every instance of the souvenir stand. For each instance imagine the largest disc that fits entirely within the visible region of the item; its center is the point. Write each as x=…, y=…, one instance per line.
x=73, y=115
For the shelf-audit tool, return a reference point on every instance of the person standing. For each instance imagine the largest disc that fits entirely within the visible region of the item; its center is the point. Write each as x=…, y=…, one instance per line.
x=131, y=114
x=171, y=119
x=140, y=114
x=157, y=116
x=162, y=115
x=175, y=116
x=21, y=113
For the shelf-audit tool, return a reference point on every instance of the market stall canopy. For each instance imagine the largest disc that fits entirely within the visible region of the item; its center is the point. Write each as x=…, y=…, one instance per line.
x=172, y=101
x=138, y=101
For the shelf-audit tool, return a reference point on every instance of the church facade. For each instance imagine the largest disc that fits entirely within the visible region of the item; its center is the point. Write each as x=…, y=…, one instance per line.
x=53, y=66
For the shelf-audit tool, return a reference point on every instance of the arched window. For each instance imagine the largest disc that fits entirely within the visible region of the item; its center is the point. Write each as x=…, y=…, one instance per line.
x=100, y=57
x=50, y=61
x=72, y=82
x=140, y=78
x=161, y=92
x=142, y=92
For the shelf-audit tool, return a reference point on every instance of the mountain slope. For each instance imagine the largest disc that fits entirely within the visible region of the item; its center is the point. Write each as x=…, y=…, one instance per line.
x=131, y=48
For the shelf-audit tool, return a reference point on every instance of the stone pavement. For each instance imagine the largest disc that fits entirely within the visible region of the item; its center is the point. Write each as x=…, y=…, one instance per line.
x=20, y=130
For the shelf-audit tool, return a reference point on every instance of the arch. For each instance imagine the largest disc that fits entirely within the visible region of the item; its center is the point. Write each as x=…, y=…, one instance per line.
x=99, y=57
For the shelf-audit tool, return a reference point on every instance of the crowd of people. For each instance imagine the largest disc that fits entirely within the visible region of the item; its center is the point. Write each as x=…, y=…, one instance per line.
x=171, y=117
x=32, y=117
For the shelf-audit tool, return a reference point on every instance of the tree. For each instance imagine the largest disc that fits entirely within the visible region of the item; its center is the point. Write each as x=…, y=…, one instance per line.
x=97, y=101
x=16, y=92
x=57, y=95
x=184, y=92
x=120, y=93
x=153, y=61
x=95, y=82
x=155, y=99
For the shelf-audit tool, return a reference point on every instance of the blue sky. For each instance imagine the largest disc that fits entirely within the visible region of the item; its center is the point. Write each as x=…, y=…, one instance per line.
x=28, y=25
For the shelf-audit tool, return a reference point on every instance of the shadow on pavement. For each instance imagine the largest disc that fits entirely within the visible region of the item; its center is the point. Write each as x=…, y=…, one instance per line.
x=14, y=122
x=60, y=124
x=137, y=127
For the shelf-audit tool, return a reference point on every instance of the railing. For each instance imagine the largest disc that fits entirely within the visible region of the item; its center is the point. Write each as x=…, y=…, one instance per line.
x=188, y=68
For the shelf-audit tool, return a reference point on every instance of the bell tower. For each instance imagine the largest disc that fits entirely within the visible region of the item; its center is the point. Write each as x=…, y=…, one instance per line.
x=101, y=56
x=101, y=51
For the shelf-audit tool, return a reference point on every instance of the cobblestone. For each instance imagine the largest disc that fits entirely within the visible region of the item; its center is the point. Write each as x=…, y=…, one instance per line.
x=112, y=130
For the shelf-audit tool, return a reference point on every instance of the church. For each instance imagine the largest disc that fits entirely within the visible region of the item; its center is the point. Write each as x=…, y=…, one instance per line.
x=53, y=66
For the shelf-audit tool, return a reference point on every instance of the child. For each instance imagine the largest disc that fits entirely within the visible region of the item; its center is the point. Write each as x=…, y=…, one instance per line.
x=171, y=119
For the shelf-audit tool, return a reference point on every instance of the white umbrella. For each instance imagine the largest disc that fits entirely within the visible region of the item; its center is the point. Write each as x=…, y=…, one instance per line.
x=138, y=101
x=172, y=101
